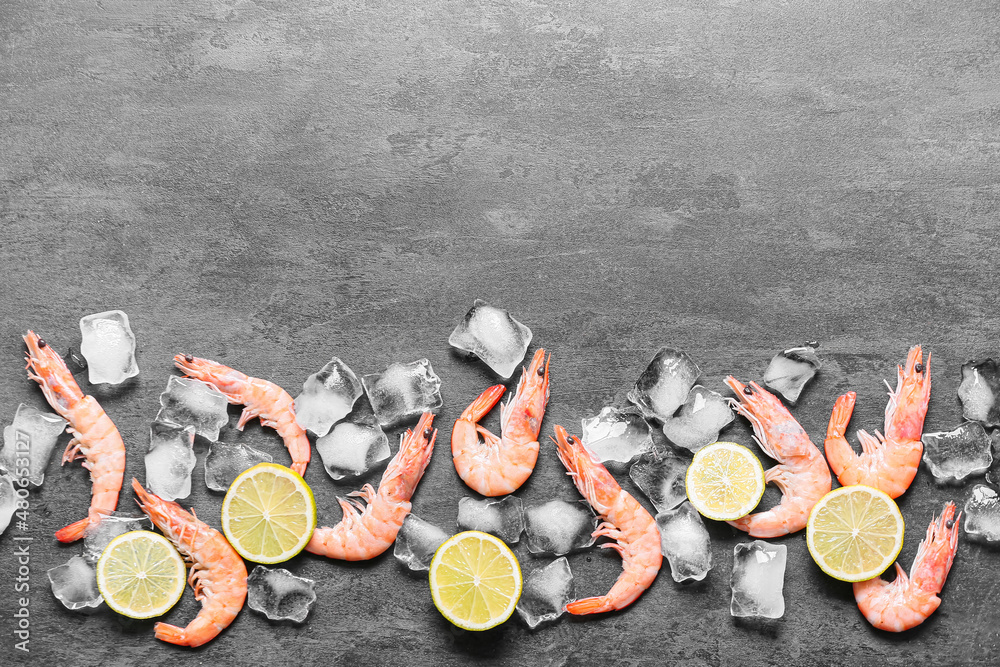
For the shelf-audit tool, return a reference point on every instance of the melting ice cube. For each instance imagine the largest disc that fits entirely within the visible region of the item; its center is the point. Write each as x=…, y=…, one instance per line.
x=954, y=455
x=494, y=336
x=790, y=371
x=190, y=402
x=661, y=477
x=355, y=446
x=559, y=527
x=615, y=436
x=31, y=437
x=327, y=397
x=8, y=499
x=403, y=391
x=758, y=579
x=978, y=391
x=226, y=460
x=75, y=584
x=982, y=515
x=502, y=517
x=170, y=460
x=109, y=347
x=545, y=593
x=700, y=419
x=665, y=383
x=685, y=543
x=279, y=594
x=416, y=543
x=99, y=536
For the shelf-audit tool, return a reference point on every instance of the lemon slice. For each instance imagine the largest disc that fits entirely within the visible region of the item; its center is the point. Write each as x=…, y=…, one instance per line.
x=725, y=481
x=269, y=513
x=475, y=580
x=140, y=574
x=855, y=533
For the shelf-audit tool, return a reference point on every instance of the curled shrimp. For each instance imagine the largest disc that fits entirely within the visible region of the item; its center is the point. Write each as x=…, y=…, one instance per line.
x=802, y=474
x=96, y=439
x=263, y=399
x=498, y=466
x=369, y=528
x=218, y=574
x=637, y=539
x=887, y=462
x=906, y=602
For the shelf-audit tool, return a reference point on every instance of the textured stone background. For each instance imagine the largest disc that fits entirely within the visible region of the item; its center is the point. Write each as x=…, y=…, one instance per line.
x=272, y=183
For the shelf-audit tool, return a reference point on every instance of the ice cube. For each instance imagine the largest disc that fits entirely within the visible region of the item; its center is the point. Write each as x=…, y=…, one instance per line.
x=75, y=584
x=31, y=438
x=170, y=460
x=355, y=446
x=758, y=579
x=494, y=336
x=700, y=420
x=416, y=542
x=109, y=347
x=559, y=527
x=954, y=455
x=403, y=391
x=190, y=402
x=226, y=460
x=982, y=515
x=545, y=593
x=978, y=391
x=664, y=385
x=279, y=594
x=660, y=475
x=111, y=526
x=790, y=371
x=327, y=397
x=993, y=474
x=616, y=437
x=503, y=517
x=685, y=543
x=8, y=499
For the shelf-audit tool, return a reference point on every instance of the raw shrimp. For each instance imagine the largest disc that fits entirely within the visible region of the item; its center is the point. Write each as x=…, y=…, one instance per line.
x=637, y=539
x=263, y=399
x=218, y=575
x=95, y=437
x=887, y=462
x=498, y=466
x=908, y=601
x=802, y=473
x=364, y=535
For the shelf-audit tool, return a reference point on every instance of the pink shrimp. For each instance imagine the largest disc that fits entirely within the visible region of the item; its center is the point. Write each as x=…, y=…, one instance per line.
x=263, y=399
x=95, y=437
x=637, y=539
x=802, y=473
x=909, y=601
x=364, y=535
x=218, y=574
x=887, y=462
x=499, y=466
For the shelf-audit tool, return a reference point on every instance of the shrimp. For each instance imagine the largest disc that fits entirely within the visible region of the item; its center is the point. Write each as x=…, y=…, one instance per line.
x=637, y=539
x=263, y=399
x=888, y=462
x=802, y=476
x=218, y=574
x=908, y=601
x=364, y=535
x=499, y=466
x=95, y=437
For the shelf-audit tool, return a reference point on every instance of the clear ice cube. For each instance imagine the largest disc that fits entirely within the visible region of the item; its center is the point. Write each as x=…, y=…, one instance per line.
x=685, y=542
x=700, y=420
x=31, y=438
x=226, y=460
x=664, y=385
x=190, y=402
x=559, y=527
x=545, y=593
x=982, y=515
x=8, y=499
x=660, y=475
x=74, y=583
x=416, y=543
x=790, y=371
x=279, y=594
x=109, y=347
x=954, y=455
x=327, y=397
x=355, y=446
x=170, y=460
x=503, y=517
x=758, y=579
x=403, y=391
x=993, y=474
x=616, y=437
x=978, y=391
x=494, y=336
x=111, y=526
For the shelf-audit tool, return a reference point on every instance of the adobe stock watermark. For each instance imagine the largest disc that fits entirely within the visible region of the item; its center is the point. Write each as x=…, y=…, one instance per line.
x=22, y=544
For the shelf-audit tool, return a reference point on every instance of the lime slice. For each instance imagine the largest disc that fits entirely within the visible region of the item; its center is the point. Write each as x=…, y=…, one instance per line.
x=268, y=514
x=475, y=580
x=140, y=574
x=855, y=533
x=725, y=481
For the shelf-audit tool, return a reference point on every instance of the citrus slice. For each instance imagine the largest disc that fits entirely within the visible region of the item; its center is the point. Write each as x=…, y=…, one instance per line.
x=140, y=574
x=269, y=513
x=855, y=533
x=725, y=481
x=475, y=580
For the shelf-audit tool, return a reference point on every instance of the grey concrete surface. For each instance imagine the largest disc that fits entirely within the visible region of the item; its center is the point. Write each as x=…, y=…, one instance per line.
x=270, y=184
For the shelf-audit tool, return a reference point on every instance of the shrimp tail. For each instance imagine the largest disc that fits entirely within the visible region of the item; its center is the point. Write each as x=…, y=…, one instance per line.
x=593, y=605
x=170, y=633
x=73, y=531
x=482, y=405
